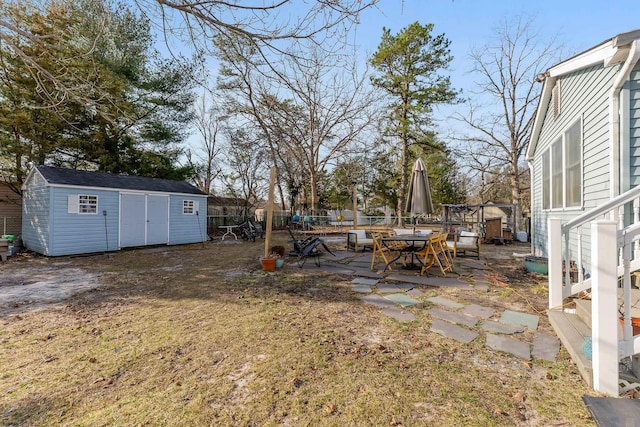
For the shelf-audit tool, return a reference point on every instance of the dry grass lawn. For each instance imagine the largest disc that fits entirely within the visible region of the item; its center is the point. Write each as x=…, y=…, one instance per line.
x=199, y=335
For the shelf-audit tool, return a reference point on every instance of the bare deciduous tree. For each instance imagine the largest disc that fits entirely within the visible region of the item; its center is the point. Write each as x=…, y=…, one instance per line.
x=269, y=24
x=266, y=23
x=310, y=110
x=506, y=69
x=205, y=160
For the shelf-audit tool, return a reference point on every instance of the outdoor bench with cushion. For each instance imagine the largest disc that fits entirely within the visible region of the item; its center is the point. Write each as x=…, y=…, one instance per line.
x=358, y=239
x=465, y=241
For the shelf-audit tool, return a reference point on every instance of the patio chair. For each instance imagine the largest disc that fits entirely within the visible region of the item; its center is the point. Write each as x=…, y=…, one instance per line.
x=307, y=248
x=358, y=238
x=465, y=242
x=436, y=252
x=381, y=252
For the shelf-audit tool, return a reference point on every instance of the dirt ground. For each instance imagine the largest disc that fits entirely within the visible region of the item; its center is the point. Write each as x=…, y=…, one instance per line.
x=200, y=335
x=29, y=281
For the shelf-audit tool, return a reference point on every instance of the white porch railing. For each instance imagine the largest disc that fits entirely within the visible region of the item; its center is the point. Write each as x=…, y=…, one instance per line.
x=614, y=254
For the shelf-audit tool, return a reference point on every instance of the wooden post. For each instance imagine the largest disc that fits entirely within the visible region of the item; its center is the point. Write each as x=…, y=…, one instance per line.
x=554, y=245
x=355, y=206
x=604, y=306
x=267, y=236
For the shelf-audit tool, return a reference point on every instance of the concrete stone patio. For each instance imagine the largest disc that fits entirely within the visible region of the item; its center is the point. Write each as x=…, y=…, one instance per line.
x=401, y=295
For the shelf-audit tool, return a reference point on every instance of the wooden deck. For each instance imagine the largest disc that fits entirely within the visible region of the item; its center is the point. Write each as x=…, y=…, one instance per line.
x=572, y=331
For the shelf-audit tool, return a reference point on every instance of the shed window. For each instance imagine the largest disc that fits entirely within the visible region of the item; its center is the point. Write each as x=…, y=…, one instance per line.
x=87, y=204
x=562, y=170
x=189, y=207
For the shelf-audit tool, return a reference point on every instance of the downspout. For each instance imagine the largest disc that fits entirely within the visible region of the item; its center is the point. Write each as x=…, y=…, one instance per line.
x=614, y=118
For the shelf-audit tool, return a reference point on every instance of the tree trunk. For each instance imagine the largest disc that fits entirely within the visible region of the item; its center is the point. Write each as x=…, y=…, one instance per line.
x=402, y=197
x=314, y=192
x=516, y=198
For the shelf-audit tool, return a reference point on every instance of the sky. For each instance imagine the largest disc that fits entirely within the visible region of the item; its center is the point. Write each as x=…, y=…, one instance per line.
x=579, y=25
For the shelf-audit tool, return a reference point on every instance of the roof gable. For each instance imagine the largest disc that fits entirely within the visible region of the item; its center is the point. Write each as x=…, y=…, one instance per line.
x=607, y=53
x=63, y=176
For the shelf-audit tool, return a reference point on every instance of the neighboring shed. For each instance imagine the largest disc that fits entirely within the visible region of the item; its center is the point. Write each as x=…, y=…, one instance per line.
x=10, y=210
x=68, y=211
x=227, y=206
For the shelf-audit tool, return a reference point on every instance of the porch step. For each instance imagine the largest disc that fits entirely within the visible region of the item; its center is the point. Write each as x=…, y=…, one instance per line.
x=583, y=310
x=572, y=331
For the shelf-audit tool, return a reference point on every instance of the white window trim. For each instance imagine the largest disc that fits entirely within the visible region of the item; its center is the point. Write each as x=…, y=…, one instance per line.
x=88, y=196
x=564, y=206
x=194, y=206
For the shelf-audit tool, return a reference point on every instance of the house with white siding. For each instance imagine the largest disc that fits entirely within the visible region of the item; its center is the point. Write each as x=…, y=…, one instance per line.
x=584, y=157
x=585, y=145
x=68, y=211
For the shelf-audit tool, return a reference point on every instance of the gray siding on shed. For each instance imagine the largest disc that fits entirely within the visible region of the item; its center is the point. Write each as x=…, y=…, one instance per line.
x=585, y=96
x=74, y=233
x=187, y=228
x=35, y=215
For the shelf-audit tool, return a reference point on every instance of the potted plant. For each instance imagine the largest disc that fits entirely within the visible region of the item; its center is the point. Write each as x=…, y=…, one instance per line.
x=279, y=253
x=269, y=262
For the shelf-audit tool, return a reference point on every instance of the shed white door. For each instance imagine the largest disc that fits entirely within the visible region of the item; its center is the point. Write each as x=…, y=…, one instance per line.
x=157, y=220
x=144, y=220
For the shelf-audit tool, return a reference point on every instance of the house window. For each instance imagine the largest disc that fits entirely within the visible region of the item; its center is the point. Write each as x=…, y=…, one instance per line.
x=556, y=174
x=562, y=170
x=188, y=207
x=573, y=165
x=87, y=204
x=546, y=179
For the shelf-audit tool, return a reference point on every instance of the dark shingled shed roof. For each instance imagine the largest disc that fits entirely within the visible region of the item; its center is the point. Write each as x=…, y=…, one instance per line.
x=63, y=176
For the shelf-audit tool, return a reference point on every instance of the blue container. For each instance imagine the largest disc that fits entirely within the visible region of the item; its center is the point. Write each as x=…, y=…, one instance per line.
x=537, y=264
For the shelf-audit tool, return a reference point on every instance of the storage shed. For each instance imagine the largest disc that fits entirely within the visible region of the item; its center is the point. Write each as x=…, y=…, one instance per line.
x=68, y=211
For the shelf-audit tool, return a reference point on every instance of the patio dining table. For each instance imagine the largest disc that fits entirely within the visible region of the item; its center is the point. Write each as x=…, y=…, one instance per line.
x=412, y=243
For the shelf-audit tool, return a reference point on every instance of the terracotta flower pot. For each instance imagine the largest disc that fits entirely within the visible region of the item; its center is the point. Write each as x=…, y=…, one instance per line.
x=268, y=264
x=635, y=324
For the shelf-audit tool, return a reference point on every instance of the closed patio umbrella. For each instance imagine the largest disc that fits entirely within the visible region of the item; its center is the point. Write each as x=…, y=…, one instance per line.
x=419, y=201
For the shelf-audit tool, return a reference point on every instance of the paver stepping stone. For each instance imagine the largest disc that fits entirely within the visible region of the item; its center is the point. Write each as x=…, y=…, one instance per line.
x=388, y=288
x=545, y=347
x=341, y=255
x=415, y=293
x=378, y=301
x=501, y=328
x=366, y=273
x=453, y=317
x=452, y=331
x=449, y=281
x=478, y=311
x=363, y=281
x=445, y=302
x=405, y=286
x=517, y=318
x=509, y=345
x=481, y=286
x=363, y=289
x=399, y=314
x=361, y=262
x=402, y=299
x=418, y=280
